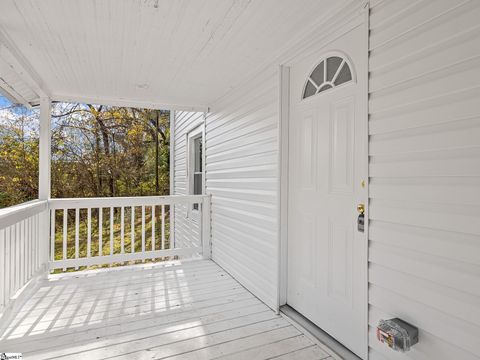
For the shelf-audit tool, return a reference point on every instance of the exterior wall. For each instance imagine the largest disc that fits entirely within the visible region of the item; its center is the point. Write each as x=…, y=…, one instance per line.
x=425, y=174
x=424, y=237
x=186, y=230
x=242, y=177
x=242, y=168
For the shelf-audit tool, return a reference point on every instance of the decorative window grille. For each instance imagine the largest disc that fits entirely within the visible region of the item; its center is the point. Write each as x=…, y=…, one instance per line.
x=329, y=73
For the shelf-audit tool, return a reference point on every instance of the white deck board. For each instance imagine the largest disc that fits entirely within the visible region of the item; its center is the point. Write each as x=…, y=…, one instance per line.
x=190, y=310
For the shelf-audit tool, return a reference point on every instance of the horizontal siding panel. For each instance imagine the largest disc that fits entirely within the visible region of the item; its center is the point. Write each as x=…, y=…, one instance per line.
x=444, y=299
x=262, y=245
x=450, y=110
x=262, y=223
x=248, y=111
x=254, y=186
x=251, y=143
x=420, y=18
x=260, y=148
x=233, y=220
x=269, y=170
x=248, y=206
x=259, y=125
x=242, y=176
x=464, y=248
x=442, y=54
x=457, y=218
x=461, y=76
x=451, y=162
x=438, y=20
x=448, y=135
x=410, y=114
x=262, y=196
x=424, y=149
x=441, y=190
x=255, y=159
x=386, y=12
x=443, y=271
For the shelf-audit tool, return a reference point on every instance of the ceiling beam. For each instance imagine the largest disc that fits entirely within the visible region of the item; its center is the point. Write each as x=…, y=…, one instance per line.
x=20, y=65
x=128, y=103
x=11, y=94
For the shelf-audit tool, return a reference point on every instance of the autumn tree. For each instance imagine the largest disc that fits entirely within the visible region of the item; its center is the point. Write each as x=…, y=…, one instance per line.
x=96, y=151
x=18, y=156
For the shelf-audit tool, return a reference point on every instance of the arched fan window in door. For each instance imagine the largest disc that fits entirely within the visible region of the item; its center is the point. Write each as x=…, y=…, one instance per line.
x=330, y=72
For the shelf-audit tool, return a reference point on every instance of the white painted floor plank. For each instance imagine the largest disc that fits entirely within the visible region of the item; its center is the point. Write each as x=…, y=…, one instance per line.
x=152, y=300
x=134, y=331
x=207, y=340
x=184, y=311
x=270, y=349
x=118, y=325
x=309, y=353
x=153, y=347
x=237, y=348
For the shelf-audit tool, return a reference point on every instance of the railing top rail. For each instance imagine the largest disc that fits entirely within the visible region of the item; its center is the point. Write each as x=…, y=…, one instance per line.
x=14, y=214
x=70, y=203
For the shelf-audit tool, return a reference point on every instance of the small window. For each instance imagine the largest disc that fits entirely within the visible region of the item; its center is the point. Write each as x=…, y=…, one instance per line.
x=330, y=72
x=197, y=167
x=195, y=163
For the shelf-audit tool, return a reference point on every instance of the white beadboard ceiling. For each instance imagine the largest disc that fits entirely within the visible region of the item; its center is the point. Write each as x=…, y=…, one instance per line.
x=147, y=52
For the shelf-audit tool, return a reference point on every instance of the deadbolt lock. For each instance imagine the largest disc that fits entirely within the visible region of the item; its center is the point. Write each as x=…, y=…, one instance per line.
x=361, y=217
x=361, y=209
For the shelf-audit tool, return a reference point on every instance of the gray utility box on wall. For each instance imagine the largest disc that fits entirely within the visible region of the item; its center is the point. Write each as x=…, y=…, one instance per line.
x=397, y=334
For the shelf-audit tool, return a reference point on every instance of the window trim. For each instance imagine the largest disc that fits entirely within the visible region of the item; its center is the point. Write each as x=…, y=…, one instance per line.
x=192, y=135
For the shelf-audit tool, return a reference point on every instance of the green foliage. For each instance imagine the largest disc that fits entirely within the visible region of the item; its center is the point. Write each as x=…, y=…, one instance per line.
x=97, y=151
x=18, y=159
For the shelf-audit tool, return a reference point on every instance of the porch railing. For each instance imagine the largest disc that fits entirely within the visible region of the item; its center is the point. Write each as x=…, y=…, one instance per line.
x=76, y=233
x=101, y=231
x=22, y=249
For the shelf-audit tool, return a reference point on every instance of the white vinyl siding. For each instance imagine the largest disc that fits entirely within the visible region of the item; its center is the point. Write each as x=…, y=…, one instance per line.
x=424, y=150
x=242, y=176
x=424, y=256
x=242, y=172
x=186, y=227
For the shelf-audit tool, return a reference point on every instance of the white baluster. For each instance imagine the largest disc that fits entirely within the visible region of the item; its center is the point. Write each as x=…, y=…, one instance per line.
x=77, y=234
x=122, y=229
x=89, y=232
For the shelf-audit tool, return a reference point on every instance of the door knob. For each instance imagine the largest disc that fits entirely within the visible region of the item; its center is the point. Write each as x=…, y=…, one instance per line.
x=361, y=209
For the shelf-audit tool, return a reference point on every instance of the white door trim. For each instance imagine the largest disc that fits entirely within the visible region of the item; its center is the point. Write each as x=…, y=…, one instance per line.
x=283, y=184
x=361, y=19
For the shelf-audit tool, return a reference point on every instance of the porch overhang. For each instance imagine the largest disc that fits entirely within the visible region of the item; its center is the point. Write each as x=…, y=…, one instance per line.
x=150, y=54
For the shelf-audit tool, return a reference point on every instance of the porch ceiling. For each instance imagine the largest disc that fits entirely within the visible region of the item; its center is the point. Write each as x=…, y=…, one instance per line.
x=145, y=52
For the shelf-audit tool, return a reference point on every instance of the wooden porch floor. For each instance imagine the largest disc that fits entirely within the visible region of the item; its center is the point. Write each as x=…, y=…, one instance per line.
x=193, y=310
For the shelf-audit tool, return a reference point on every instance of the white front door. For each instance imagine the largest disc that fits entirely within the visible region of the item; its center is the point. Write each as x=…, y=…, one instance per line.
x=327, y=254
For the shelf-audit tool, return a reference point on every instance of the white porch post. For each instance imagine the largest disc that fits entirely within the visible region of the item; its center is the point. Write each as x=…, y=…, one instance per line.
x=44, y=148
x=44, y=175
x=172, y=177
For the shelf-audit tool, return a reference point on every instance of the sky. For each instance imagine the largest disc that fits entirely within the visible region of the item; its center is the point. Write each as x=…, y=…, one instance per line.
x=8, y=113
x=4, y=101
